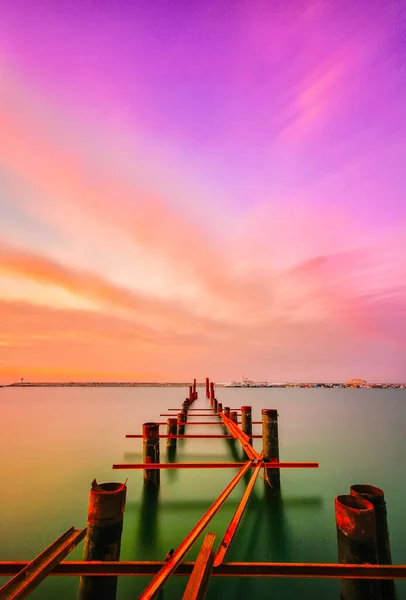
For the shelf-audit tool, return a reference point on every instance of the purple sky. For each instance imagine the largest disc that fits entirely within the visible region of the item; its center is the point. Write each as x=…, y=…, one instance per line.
x=201, y=154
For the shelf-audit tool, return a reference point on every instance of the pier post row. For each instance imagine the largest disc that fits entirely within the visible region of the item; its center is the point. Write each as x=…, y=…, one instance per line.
x=171, y=429
x=377, y=498
x=150, y=442
x=103, y=537
x=246, y=419
x=356, y=544
x=270, y=442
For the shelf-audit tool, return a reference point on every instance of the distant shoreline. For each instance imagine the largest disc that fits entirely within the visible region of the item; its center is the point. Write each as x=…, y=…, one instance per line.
x=93, y=384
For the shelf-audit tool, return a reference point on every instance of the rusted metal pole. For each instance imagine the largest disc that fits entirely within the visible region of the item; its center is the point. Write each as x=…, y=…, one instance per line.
x=270, y=441
x=207, y=387
x=103, y=537
x=356, y=541
x=150, y=436
x=376, y=497
x=199, y=579
x=232, y=528
x=226, y=412
x=160, y=578
x=215, y=465
x=172, y=429
x=181, y=423
x=246, y=419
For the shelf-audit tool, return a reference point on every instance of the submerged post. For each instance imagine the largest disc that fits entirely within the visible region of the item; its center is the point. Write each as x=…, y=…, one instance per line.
x=246, y=419
x=356, y=542
x=150, y=442
x=207, y=387
x=103, y=537
x=171, y=429
x=226, y=411
x=270, y=441
x=376, y=497
x=219, y=407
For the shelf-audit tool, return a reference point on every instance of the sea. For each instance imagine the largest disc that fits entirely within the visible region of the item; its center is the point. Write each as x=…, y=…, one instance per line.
x=55, y=441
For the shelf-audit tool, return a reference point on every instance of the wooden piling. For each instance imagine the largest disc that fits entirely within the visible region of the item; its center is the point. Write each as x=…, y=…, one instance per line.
x=270, y=441
x=194, y=389
x=172, y=429
x=226, y=411
x=234, y=416
x=356, y=544
x=219, y=407
x=181, y=423
x=207, y=387
x=191, y=396
x=103, y=537
x=150, y=436
x=246, y=419
x=376, y=497
x=212, y=393
x=215, y=404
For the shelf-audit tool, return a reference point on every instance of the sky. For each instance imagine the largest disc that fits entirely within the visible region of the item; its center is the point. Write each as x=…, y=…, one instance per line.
x=192, y=189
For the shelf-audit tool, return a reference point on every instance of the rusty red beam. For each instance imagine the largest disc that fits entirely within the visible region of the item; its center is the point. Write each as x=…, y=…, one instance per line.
x=194, y=415
x=29, y=577
x=202, y=436
x=200, y=577
x=76, y=568
x=242, y=437
x=235, y=521
x=170, y=565
x=212, y=465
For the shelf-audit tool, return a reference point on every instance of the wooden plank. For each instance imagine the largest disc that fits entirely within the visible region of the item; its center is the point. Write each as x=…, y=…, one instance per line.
x=199, y=580
x=26, y=580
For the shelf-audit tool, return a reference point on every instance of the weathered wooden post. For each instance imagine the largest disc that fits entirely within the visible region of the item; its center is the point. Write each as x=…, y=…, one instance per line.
x=246, y=419
x=207, y=387
x=185, y=407
x=191, y=396
x=270, y=442
x=150, y=442
x=194, y=390
x=226, y=411
x=219, y=407
x=234, y=416
x=356, y=542
x=215, y=405
x=181, y=423
x=376, y=497
x=171, y=429
x=211, y=393
x=103, y=537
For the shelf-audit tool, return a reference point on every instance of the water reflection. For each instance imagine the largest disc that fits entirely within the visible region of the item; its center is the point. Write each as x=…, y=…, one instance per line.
x=147, y=538
x=171, y=474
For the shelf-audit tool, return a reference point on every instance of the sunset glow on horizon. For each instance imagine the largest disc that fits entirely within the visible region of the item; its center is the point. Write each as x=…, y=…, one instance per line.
x=192, y=189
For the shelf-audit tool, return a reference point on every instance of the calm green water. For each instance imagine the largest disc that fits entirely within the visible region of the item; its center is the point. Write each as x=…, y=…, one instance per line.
x=55, y=441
